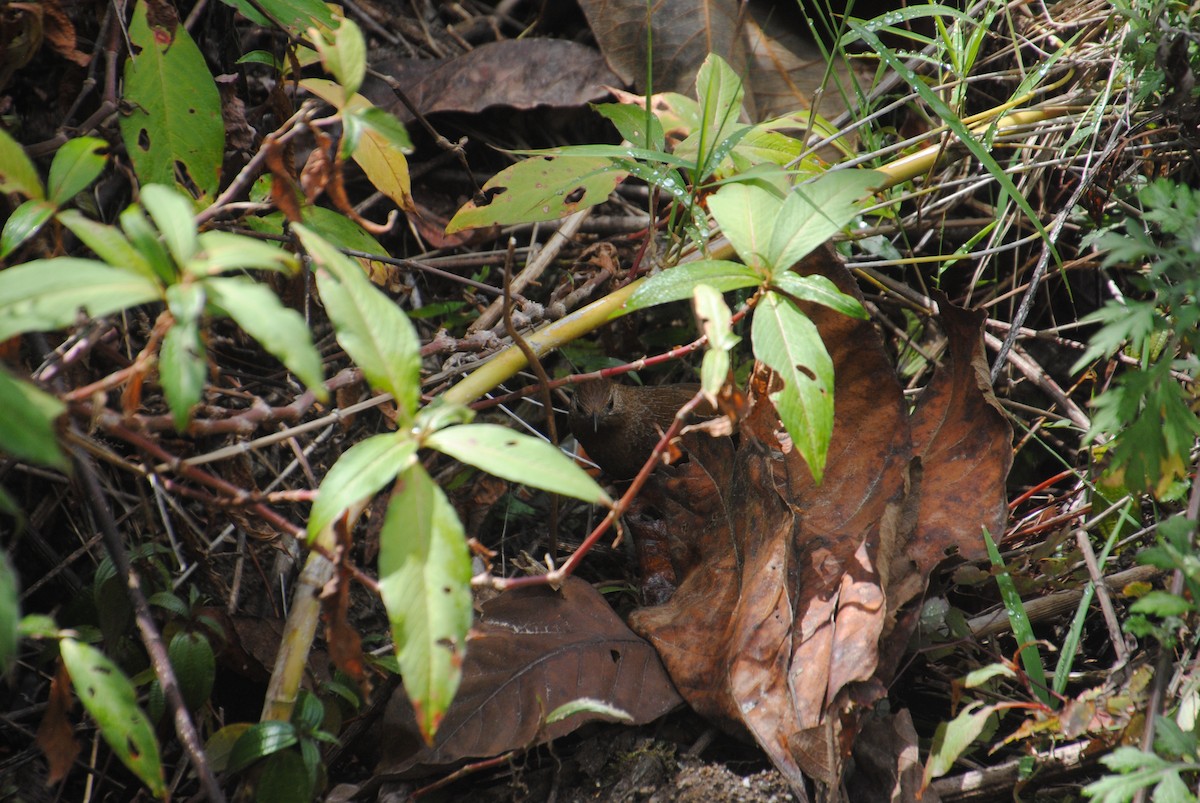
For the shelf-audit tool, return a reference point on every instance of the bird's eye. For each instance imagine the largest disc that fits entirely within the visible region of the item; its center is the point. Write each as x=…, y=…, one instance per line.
x=610, y=405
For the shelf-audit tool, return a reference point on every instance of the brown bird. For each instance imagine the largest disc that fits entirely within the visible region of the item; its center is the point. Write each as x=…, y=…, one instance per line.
x=618, y=425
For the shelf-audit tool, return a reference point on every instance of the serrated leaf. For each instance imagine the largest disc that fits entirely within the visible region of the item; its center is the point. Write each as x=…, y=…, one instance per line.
x=787, y=342
x=520, y=458
x=76, y=165
x=261, y=740
x=681, y=281
x=363, y=470
x=953, y=738
x=172, y=215
x=17, y=173
x=545, y=187
x=173, y=121
x=47, y=294
x=108, y=243
x=195, y=667
x=375, y=333
x=110, y=699
x=425, y=574
x=819, y=290
x=27, y=426
x=281, y=330
x=1162, y=604
x=25, y=221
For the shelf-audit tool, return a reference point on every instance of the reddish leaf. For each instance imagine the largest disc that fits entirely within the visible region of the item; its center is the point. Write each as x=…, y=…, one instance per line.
x=531, y=651
x=56, y=736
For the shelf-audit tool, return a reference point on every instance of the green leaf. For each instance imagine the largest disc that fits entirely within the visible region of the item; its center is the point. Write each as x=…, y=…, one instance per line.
x=346, y=56
x=17, y=173
x=716, y=322
x=110, y=699
x=817, y=210
x=10, y=614
x=953, y=738
x=172, y=128
x=182, y=366
x=681, y=281
x=25, y=221
x=375, y=333
x=631, y=122
x=284, y=779
x=1162, y=604
x=281, y=330
x=364, y=469
x=544, y=187
x=787, y=342
x=425, y=574
x=521, y=458
x=978, y=677
x=221, y=252
x=195, y=667
x=720, y=91
x=746, y=215
x=27, y=426
x=220, y=745
x=47, y=294
x=172, y=214
x=294, y=16
x=1018, y=619
x=108, y=243
x=261, y=740
x=76, y=165
x=819, y=290
x=148, y=242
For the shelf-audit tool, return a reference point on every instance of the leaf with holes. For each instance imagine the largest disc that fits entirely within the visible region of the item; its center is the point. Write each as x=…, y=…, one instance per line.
x=789, y=344
x=545, y=187
x=173, y=130
x=424, y=578
x=110, y=699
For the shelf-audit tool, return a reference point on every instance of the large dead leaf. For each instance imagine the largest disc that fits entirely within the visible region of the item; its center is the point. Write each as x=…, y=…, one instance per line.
x=531, y=651
x=787, y=589
x=520, y=73
x=684, y=32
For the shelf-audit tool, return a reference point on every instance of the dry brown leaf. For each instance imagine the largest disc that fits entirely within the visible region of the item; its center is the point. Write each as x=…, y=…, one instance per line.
x=787, y=589
x=521, y=73
x=531, y=651
x=56, y=736
x=684, y=33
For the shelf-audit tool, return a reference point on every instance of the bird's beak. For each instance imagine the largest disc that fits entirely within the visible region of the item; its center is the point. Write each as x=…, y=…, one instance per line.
x=595, y=422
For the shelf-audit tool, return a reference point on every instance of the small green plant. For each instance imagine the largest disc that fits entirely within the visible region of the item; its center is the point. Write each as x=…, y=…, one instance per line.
x=1145, y=420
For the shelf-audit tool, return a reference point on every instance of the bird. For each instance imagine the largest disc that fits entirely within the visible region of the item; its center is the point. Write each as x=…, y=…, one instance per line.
x=619, y=425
